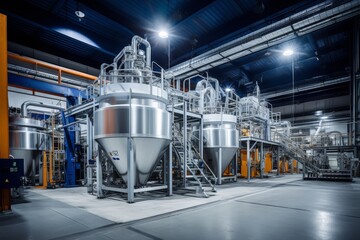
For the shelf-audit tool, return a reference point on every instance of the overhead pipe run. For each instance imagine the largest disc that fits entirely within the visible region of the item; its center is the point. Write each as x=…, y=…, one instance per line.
x=51, y=66
x=298, y=24
x=27, y=104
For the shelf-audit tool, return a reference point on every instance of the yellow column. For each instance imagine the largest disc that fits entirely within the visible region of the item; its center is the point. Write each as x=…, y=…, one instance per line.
x=4, y=106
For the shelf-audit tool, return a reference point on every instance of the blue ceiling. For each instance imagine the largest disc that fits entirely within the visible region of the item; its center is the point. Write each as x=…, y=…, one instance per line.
x=196, y=26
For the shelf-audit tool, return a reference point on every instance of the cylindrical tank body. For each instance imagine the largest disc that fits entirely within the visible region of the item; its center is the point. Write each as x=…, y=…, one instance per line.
x=27, y=138
x=219, y=131
x=138, y=112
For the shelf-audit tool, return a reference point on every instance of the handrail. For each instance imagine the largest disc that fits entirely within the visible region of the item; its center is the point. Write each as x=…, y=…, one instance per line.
x=59, y=69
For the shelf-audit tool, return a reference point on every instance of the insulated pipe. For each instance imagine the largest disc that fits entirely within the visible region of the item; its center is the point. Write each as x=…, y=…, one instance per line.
x=51, y=66
x=27, y=104
x=210, y=79
x=134, y=42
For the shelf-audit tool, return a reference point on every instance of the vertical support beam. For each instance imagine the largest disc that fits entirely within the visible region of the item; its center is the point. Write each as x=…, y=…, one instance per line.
x=248, y=160
x=355, y=85
x=201, y=137
x=45, y=171
x=169, y=171
x=88, y=154
x=131, y=177
x=236, y=165
x=185, y=143
x=278, y=161
x=261, y=160
x=99, y=178
x=219, y=173
x=5, y=204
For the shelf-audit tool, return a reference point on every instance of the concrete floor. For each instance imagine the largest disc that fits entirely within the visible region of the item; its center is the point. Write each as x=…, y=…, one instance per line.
x=276, y=208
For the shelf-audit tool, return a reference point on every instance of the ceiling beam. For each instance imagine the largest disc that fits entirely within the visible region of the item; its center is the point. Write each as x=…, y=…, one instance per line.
x=299, y=24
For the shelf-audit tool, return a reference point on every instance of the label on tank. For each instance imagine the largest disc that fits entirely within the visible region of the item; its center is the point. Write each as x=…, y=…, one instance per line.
x=114, y=155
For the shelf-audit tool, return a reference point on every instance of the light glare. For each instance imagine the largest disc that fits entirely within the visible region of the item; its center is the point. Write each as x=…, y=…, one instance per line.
x=76, y=35
x=288, y=52
x=163, y=34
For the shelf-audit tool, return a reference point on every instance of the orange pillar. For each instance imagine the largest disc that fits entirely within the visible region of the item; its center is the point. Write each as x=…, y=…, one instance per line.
x=4, y=106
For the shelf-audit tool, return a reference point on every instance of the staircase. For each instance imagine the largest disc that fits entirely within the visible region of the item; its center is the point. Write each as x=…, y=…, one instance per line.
x=310, y=170
x=198, y=175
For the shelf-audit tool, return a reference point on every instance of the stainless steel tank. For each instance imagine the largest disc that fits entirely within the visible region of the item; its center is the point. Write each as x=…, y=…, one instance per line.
x=136, y=111
x=27, y=138
x=219, y=131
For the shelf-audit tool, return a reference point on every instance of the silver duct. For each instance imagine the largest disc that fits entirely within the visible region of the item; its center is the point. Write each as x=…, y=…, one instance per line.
x=25, y=105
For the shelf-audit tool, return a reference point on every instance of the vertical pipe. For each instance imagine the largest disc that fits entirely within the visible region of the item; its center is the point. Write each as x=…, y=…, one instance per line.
x=5, y=204
x=248, y=159
x=185, y=143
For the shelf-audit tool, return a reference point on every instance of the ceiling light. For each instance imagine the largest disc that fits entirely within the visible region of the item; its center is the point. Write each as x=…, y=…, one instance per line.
x=163, y=34
x=79, y=14
x=228, y=89
x=288, y=52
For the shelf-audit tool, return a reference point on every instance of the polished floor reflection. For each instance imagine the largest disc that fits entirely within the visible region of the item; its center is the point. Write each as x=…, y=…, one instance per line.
x=288, y=210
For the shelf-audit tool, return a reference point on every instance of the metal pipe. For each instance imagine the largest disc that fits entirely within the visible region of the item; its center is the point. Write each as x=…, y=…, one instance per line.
x=51, y=66
x=27, y=104
x=135, y=41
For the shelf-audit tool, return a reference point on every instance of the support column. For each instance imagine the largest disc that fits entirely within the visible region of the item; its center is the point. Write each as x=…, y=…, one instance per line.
x=278, y=161
x=99, y=179
x=248, y=160
x=5, y=205
x=185, y=143
x=219, y=172
x=169, y=170
x=89, y=154
x=131, y=177
x=355, y=86
x=262, y=160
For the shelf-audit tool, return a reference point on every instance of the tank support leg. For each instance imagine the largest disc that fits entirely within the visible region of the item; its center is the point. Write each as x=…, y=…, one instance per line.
x=219, y=173
x=130, y=170
x=99, y=192
x=169, y=171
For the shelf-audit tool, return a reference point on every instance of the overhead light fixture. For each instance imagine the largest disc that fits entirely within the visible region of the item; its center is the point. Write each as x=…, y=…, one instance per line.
x=228, y=89
x=163, y=34
x=80, y=14
x=288, y=52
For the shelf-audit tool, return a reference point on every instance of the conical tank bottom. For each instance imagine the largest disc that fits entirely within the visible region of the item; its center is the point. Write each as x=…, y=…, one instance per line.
x=212, y=158
x=146, y=154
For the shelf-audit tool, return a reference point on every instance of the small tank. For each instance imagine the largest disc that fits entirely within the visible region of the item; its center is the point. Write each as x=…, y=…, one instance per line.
x=220, y=131
x=27, y=138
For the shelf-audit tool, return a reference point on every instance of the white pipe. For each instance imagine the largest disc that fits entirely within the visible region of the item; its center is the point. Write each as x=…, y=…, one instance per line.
x=135, y=41
x=25, y=105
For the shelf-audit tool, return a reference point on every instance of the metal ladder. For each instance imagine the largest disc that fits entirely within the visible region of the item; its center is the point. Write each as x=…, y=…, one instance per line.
x=200, y=177
x=293, y=150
